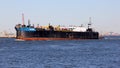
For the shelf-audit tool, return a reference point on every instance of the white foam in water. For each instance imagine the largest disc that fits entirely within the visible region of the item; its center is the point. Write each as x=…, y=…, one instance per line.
x=19, y=40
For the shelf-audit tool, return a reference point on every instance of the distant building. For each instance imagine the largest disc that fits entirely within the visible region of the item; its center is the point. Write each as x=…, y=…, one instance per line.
x=7, y=34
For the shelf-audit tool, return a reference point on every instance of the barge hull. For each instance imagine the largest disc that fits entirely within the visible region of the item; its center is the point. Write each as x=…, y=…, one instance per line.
x=55, y=35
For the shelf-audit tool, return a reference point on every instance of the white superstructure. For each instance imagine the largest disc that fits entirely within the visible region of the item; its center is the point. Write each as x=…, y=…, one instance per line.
x=74, y=28
x=79, y=29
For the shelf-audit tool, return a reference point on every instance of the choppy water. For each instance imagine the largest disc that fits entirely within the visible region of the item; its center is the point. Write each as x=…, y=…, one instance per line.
x=59, y=54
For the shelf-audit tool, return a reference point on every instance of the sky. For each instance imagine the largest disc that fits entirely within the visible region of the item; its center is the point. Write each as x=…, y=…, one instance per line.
x=105, y=14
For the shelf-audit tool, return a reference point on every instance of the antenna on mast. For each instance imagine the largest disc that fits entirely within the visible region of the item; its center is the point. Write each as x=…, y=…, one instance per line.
x=23, y=19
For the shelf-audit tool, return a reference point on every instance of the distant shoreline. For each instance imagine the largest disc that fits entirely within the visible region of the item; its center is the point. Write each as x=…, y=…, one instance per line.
x=7, y=37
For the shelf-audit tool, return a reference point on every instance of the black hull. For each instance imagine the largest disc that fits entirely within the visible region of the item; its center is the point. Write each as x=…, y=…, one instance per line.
x=56, y=35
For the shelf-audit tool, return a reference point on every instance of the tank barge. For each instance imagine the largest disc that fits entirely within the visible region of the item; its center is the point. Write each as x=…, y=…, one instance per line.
x=28, y=32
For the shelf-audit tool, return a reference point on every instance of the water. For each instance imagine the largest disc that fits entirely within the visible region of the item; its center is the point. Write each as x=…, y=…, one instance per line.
x=60, y=54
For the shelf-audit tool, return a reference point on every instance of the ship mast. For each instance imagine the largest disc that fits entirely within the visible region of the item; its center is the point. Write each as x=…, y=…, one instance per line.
x=23, y=19
x=89, y=24
x=29, y=22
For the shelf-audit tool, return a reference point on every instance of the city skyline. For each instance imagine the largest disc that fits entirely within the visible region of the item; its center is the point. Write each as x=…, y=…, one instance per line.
x=104, y=13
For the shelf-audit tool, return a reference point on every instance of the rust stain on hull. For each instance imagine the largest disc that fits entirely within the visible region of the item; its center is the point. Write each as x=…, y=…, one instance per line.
x=50, y=39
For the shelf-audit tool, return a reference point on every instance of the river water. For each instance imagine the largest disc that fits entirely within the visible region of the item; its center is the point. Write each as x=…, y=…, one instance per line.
x=60, y=54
